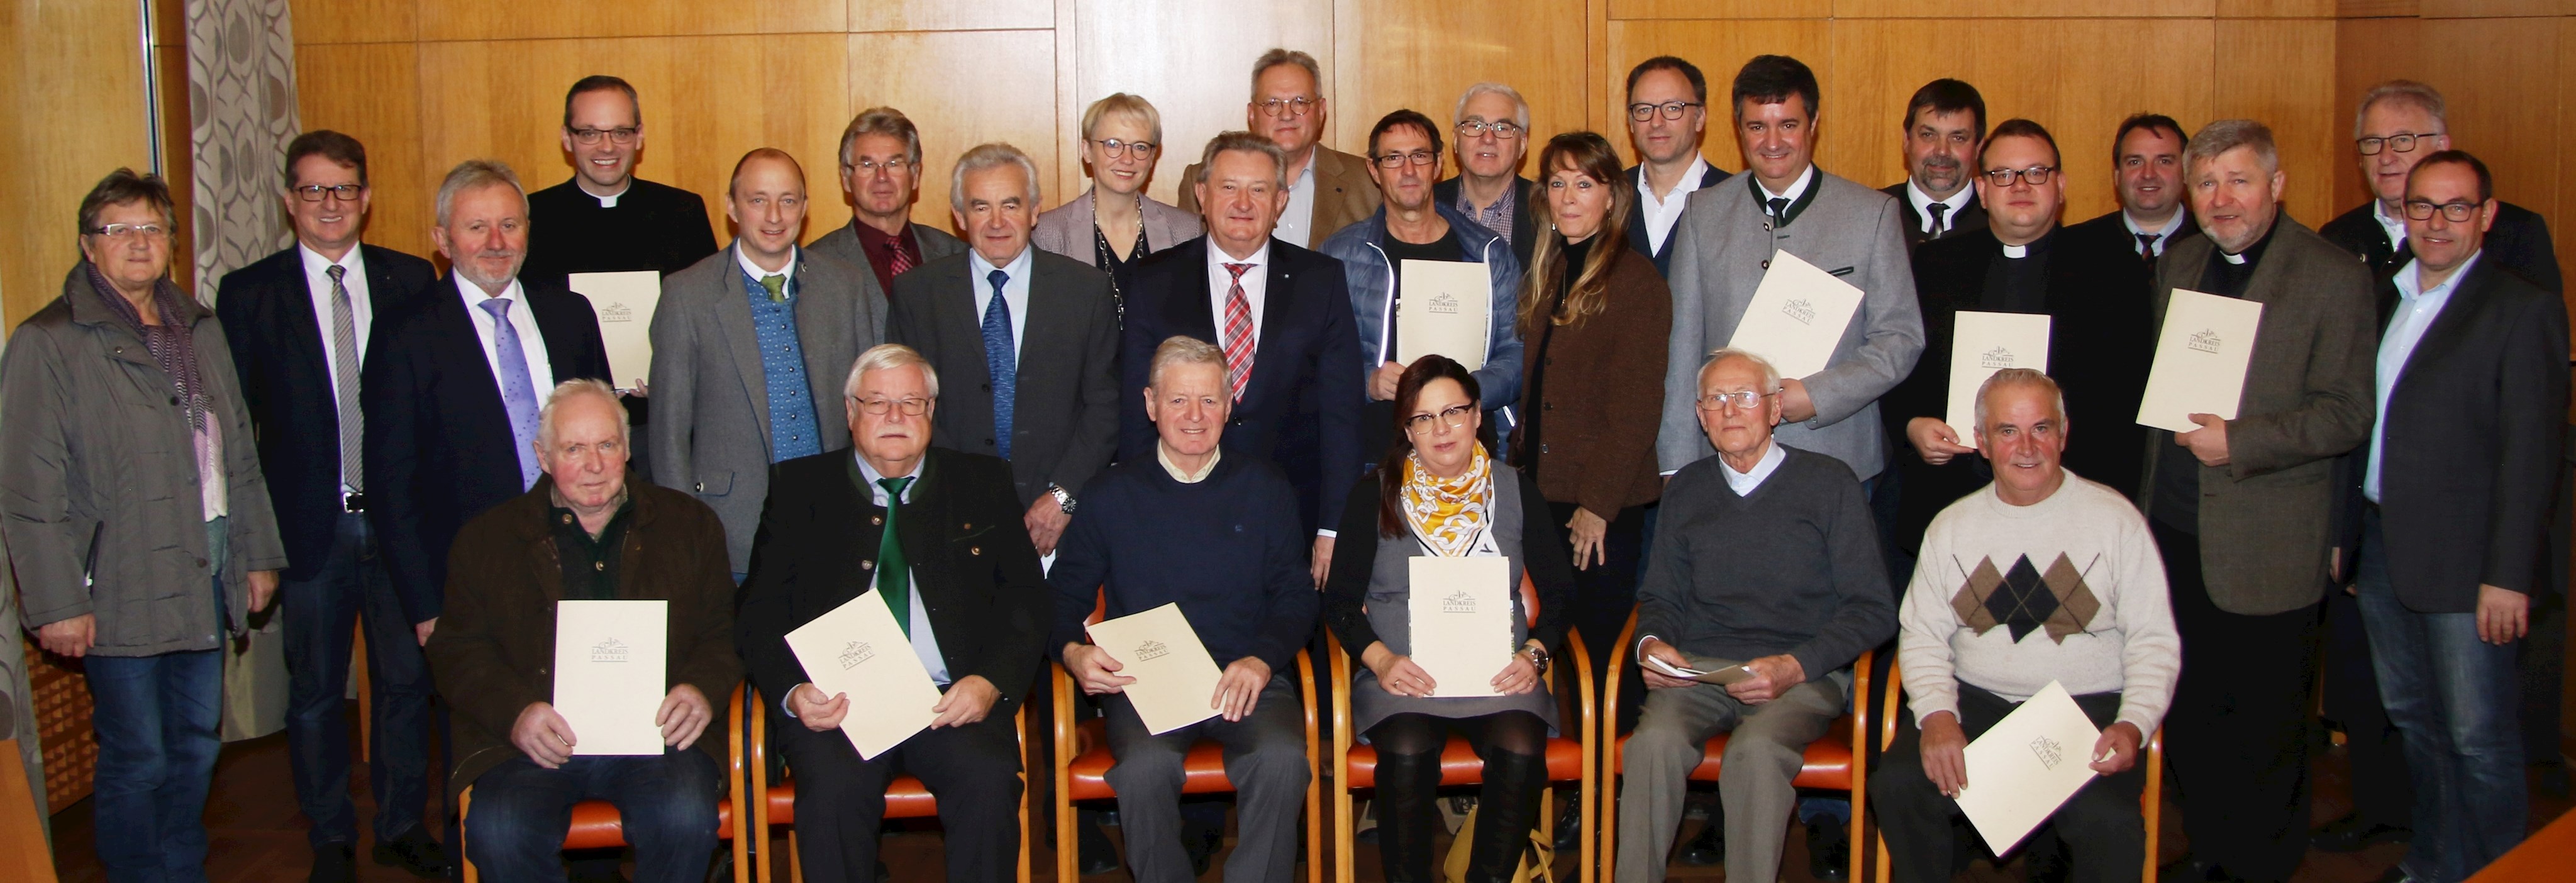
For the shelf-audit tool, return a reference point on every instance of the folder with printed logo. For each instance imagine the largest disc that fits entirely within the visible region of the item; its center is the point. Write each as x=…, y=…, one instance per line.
x=1445, y=307
x=2026, y=766
x=609, y=673
x=1982, y=344
x=1797, y=316
x=858, y=650
x=1460, y=622
x=1175, y=678
x=2200, y=360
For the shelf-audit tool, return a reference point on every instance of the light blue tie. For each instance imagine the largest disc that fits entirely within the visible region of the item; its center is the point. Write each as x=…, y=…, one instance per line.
x=1000, y=361
x=518, y=390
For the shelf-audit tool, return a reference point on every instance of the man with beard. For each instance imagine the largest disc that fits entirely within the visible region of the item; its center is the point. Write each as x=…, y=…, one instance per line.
x=1944, y=123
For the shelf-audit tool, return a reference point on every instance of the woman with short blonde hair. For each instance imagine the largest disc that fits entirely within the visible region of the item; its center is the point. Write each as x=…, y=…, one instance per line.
x=1114, y=224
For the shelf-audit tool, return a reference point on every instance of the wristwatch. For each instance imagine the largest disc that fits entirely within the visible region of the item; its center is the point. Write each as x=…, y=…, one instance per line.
x=1063, y=498
x=1537, y=655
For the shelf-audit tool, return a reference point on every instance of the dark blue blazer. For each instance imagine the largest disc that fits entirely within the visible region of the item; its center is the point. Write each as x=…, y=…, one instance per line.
x=1637, y=217
x=285, y=367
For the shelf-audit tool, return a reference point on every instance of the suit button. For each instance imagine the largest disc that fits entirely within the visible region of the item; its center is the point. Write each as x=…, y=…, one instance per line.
x=702, y=487
x=1550, y=406
x=876, y=519
x=174, y=400
x=867, y=565
x=988, y=441
x=974, y=550
x=1542, y=448
x=201, y=562
x=988, y=387
x=1766, y=263
x=541, y=669
x=599, y=566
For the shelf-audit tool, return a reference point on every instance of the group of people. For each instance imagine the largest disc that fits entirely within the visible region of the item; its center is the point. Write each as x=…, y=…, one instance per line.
x=1202, y=405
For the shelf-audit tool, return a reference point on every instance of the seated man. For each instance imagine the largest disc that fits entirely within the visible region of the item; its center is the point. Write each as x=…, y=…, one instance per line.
x=615, y=541
x=2066, y=568
x=1220, y=536
x=936, y=534
x=1767, y=557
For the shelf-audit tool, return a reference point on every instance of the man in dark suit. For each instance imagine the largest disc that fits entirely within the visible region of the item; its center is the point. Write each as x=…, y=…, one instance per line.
x=605, y=219
x=1027, y=339
x=881, y=175
x=1944, y=123
x=2399, y=123
x=1283, y=316
x=299, y=324
x=2458, y=481
x=1327, y=189
x=1493, y=135
x=2146, y=173
x=935, y=534
x=2241, y=508
x=451, y=394
x=1667, y=114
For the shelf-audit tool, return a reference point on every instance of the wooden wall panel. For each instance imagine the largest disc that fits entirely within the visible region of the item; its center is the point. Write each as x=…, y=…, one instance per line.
x=535, y=19
x=1193, y=60
x=2562, y=223
x=2109, y=56
x=1728, y=9
x=2495, y=8
x=2281, y=72
x=1719, y=48
x=2276, y=8
x=1875, y=66
x=950, y=15
x=73, y=90
x=1936, y=10
x=2486, y=70
x=2096, y=9
x=1010, y=98
x=1476, y=43
x=372, y=93
x=354, y=21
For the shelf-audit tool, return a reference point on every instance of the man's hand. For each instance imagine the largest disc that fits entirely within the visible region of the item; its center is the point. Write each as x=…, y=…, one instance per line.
x=814, y=711
x=1322, y=565
x=423, y=629
x=1240, y=688
x=1945, y=753
x=1382, y=381
x=1934, y=439
x=1587, y=531
x=966, y=702
x=2117, y=750
x=1795, y=407
x=263, y=588
x=1772, y=676
x=2209, y=442
x=1094, y=669
x=1655, y=678
x=69, y=637
x=2503, y=615
x=684, y=715
x=1045, y=521
x=543, y=735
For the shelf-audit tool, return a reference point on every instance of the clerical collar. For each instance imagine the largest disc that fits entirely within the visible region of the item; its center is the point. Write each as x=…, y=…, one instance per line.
x=1163, y=454
x=1802, y=192
x=2017, y=252
x=609, y=201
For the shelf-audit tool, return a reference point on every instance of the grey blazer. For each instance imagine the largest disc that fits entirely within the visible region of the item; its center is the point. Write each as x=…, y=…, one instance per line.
x=1064, y=417
x=2266, y=518
x=1066, y=229
x=1723, y=244
x=843, y=245
x=710, y=427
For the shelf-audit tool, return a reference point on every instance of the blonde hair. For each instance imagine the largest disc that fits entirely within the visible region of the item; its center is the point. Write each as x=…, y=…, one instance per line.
x=475, y=174
x=886, y=356
x=1123, y=106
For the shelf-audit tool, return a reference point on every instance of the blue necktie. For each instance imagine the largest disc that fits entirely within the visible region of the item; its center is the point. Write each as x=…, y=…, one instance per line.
x=518, y=390
x=1000, y=361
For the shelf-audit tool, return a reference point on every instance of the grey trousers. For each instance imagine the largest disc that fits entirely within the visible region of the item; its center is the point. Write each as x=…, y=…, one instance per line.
x=1265, y=757
x=1767, y=746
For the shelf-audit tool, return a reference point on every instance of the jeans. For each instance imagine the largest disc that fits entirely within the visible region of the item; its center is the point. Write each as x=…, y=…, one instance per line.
x=321, y=614
x=2456, y=699
x=155, y=718
x=515, y=827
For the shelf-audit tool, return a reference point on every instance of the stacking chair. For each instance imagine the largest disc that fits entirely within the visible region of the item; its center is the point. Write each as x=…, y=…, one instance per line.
x=774, y=803
x=596, y=825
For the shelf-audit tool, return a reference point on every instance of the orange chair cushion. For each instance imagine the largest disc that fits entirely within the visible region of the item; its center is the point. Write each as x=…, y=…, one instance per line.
x=1828, y=761
x=1202, y=770
x=906, y=798
x=596, y=825
x=1459, y=764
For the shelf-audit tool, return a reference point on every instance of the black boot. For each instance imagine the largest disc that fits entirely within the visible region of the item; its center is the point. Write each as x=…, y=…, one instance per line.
x=1408, y=817
x=1514, y=785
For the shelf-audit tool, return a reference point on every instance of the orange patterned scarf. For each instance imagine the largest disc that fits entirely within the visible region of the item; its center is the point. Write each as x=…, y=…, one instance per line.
x=1448, y=514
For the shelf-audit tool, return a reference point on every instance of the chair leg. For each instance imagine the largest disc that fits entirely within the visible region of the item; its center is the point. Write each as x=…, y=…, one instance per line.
x=796, y=859
x=464, y=801
x=1345, y=824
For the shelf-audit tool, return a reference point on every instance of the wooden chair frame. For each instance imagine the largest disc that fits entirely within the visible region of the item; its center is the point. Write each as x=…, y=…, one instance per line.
x=730, y=807
x=758, y=740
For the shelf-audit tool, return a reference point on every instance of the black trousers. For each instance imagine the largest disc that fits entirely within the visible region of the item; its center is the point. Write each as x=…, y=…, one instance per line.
x=840, y=799
x=2237, y=732
x=1604, y=593
x=2101, y=823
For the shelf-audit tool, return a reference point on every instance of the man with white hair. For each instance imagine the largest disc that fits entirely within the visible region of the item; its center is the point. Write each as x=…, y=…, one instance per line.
x=1493, y=126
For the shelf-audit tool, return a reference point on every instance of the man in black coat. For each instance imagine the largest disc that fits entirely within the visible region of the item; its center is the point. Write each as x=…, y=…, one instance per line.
x=2146, y=173
x=299, y=324
x=1667, y=117
x=604, y=219
x=1945, y=124
x=2399, y=123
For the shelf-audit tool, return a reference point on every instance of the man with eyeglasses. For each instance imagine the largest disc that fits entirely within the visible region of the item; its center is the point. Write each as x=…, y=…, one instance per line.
x=881, y=175
x=605, y=219
x=1492, y=122
x=1327, y=189
x=1944, y=122
x=1416, y=225
x=2398, y=124
x=1667, y=114
x=299, y=324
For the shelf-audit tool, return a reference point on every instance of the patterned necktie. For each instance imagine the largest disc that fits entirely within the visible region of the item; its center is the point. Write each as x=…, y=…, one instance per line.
x=344, y=376
x=1940, y=214
x=776, y=285
x=1001, y=360
x=894, y=573
x=518, y=389
x=2147, y=247
x=1238, y=333
x=897, y=259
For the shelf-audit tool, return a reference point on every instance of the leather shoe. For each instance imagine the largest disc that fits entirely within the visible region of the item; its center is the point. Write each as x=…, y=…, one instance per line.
x=2191, y=870
x=1706, y=848
x=2350, y=834
x=1829, y=852
x=1098, y=855
x=414, y=852
x=1569, y=828
x=1201, y=844
x=334, y=863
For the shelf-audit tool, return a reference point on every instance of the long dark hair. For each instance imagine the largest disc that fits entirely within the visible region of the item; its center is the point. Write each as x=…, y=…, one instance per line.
x=1408, y=390
x=1592, y=155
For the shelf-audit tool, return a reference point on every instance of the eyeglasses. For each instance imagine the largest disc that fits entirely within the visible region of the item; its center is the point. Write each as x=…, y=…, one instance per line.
x=1744, y=400
x=341, y=192
x=153, y=232
x=1287, y=107
x=2455, y=212
x=1505, y=130
x=910, y=407
x=623, y=135
x=2036, y=175
x=2403, y=142
x=1454, y=415
x=891, y=166
x=1400, y=160
x=1672, y=110
x=1114, y=148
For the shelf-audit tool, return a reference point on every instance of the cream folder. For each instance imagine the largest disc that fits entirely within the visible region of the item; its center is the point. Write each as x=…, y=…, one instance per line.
x=1446, y=307
x=609, y=662
x=2200, y=359
x=2024, y=768
x=1982, y=344
x=858, y=649
x=1797, y=316
x=1175, y=679
x=624, y=302
x=1460, y=622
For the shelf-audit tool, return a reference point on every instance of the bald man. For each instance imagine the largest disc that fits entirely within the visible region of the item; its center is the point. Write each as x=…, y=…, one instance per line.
x=749, y=346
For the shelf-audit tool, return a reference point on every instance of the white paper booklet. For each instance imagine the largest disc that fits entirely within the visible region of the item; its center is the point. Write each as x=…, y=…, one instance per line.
x=609, y=673
x=2200, y=359
x=858, y=649
x=1461, y=622
x=2024, y=768
x=1446, y=307
x=1797, y=316
x=624, y=302
x=1175, y=678
x=1982, y=344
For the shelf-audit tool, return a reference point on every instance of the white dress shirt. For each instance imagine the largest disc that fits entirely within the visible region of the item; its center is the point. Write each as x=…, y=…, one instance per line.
x=924, y=644
x=2415, y=313
x=1923, y=205
x=1297, y=224
x=532, y=342
x=2394, y=227
x=1256, y=288
x=755, y=272
x=1662, y=212
x=2164, y=235
x=1015, y=291
x=1744, y=482
x=1797, y=188
x=362, y=312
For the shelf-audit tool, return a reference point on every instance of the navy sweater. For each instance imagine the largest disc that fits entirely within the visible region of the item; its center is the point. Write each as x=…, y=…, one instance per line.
x=1229, y=549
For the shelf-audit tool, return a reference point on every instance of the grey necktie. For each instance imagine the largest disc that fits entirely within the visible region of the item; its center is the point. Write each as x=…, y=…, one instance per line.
x=344, y=376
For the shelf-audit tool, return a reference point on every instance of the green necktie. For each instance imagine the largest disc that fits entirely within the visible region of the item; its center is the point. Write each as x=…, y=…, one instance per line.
x=894, y=575
x=776, y=283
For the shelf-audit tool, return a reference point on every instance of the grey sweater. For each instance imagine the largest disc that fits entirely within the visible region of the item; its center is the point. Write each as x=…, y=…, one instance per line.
x=1791, y=568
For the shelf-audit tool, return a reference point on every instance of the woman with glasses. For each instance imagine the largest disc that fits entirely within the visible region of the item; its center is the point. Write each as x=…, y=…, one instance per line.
x=1114, y=224
x=1439, y=494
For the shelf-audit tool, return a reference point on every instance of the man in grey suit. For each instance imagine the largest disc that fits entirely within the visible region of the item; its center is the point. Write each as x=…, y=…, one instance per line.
x=881, y=174
x=749, y=346
x=2242, y=508
x=1027, y=339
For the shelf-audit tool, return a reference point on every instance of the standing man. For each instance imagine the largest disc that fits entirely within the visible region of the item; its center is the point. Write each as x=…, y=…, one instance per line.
x=2146, y=173
x=2461, y=467
x=1667, y=115
x=605, y=219
x=1944, y=122
x=1492, y=123
x=881, y=175
x=300, y=323
x=2241, y=508
x=1028, y=340
x=748, y=346
x=2399, y=123
x=450, y=396
x=1326, y=188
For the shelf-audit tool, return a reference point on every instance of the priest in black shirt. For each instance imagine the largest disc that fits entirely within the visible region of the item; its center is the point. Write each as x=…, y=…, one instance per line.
x=605, y=219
